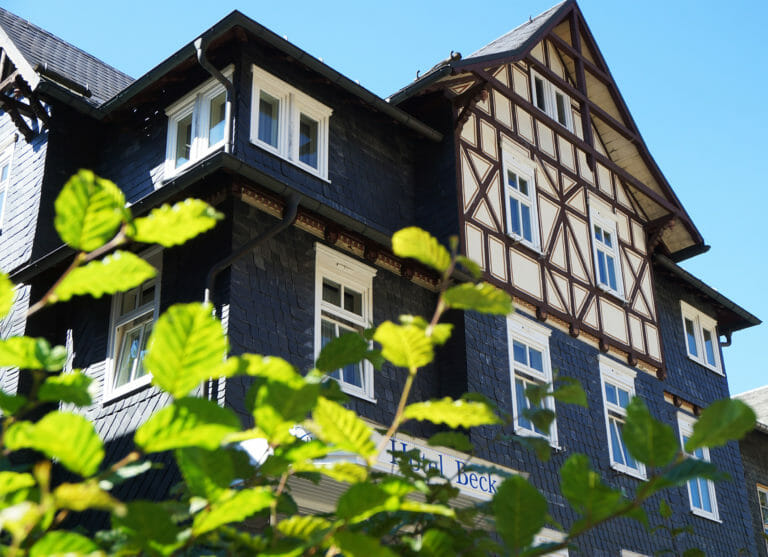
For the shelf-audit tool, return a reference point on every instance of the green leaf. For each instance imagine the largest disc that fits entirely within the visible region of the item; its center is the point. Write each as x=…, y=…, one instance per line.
x=694, y=552
x=173, y=225
x=404, y=345
x=520, y=512
x=453, y=413
x=542, y=418
x=149, y=527
x=89, y=211
x=356, y=544
x=117, y=272
x=70, y=388
x=235, y=509
x=586, y=492
x=187, y=422
x=647, y=439
x=14, y=481
x=346, y=349
x=422, y=246
x=344, y=472
x=70, y=438
x=539, y=446
x=453, y=440
x=471, y=266
x=31, y=353
x=537, y=392
x=7, y=295
x=10, y=404
x=665, y=511
x=186, y=346
x=83, y=496
x=481, y=297
x=436, y=543
x=59, y=543
x=409, y=505
x=335, y=424
x=303, y=527
x=570, y=391
x=682, y=472
x=363, y=500
x=206, y=473
x=723, y=421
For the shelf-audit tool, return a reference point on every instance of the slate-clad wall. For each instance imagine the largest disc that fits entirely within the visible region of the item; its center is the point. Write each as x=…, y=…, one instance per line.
x=754, y=454
x=273, y=304
x=582, y=430
x=371, y=163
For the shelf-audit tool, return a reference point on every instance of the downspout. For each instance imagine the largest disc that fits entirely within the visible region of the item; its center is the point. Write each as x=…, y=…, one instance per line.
x=228, y=85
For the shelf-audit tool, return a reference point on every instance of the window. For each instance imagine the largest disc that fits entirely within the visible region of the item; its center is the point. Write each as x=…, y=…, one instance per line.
x=343, y=304
x=701, y=337
x=551, y=100
x=529, y=361
x=701, y=492
x=520, y=194
x=133, y=315
x=618, y=383
x=605, y=251
x=762, y=497
x=196, y=125
x=5, y=177
x=289, y=123
x=547, y=535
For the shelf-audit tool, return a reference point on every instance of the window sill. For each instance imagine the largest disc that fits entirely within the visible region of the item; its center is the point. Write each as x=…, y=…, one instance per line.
x=356, y=393
x=704, y=514
x=702, y=363
x=127, y=389
x=522, y=432
x=519, y=241
x=618, y=296
x=298, y=164
x=172, y=172
x=629, y=471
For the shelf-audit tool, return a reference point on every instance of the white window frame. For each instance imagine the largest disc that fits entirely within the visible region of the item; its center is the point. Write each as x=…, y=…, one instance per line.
x=547, y=535
x=622, y=377
x=117, y=321
x=701, y=323
x=196, y=103
x=763, y=510
x=685, y=425
x=607, y=223
x=347, y=272
x=527, y=172
x=7, y=149
x=551, y=93
x=293, y=103
x=531, y=335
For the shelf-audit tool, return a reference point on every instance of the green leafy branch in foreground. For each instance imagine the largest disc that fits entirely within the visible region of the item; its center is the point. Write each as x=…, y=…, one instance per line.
x=230, y=504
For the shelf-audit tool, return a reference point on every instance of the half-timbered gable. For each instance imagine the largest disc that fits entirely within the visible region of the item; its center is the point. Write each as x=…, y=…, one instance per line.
x=559, y=198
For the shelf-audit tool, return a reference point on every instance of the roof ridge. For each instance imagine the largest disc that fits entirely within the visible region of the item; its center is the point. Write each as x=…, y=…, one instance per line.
x=40, y=30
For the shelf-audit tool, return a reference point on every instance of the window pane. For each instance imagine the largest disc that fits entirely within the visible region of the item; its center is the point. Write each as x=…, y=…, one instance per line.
x=693, y=486
x=269, y=108
x=623, y=398
x=598, y=233
x=512, y=179
x=610, y=394
x=607, y=239
x=514, y=215
x=520, y=352
x=128, y=302
x=331, y=292
x=522, y=404
x=706, y=503
x=353, y=301
x=147, y=293
x=128, y=353
x=217, y=116
x=2, y=202
x=183, y=140
x=690, y=336
x=353, y=375
x=536, y=360
x=4, y=172
x=611, y=265
x=709, y=346
x=522, y=186
x=140, y=371
x=602, y=278
x=526, y=214
x=539, y=85
x=616, y=443
x=561, y=117
x=308, y=141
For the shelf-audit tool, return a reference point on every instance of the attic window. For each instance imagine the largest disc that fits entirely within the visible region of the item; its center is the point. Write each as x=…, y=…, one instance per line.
x=289, y=123
x=551, y=100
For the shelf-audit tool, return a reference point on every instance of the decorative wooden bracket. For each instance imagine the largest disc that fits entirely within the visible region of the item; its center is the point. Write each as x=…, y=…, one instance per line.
x=468, y=99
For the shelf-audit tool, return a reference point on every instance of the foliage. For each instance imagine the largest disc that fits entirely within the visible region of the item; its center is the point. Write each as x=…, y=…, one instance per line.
x=378, y=514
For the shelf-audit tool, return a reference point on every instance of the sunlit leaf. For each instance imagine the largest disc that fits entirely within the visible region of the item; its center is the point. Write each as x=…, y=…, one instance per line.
x=520, y=511
x=453, y=413
x=206, y=473
x=347, y=472
x=471, y=266
x=363, y=500
x=725, y=420
x=117, y=272
x=404, y=345
x=84, y=496
x=481, y=297
x=69, y=438
x=648, y=440
x=235, y=509
x=187, y=422
x=149, y=527
x=60, y=543
x=334, y=424
x=10, y=404
x=303, y=527
x=89, y=211
x=173, y=225
x=7, y=295
x=31, y=353
x=586, y=492
x=422, y=246
x=71, y=388
x=14, y=481
x=356, y=544
x=186, y=347
x=346, y=349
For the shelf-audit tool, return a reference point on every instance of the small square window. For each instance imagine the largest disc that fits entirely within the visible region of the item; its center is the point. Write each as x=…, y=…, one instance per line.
x=551, y=100
x=700, y=332
x=344, y=302
x=520, y=195
x=701, y=492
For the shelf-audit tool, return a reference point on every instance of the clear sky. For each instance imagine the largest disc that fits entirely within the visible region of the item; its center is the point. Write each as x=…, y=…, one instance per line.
x=692, y=72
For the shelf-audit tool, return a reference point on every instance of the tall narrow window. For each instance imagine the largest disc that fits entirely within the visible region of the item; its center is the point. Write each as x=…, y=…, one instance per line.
x=520, y=194
x=762, y=498
x=308, y=129
x=133, y=315
x=618, y=383
x=605, y=251
x=269, y=110
x=700, y=332
x=530, y=366
x=551, y=100
x=701, y=492
x=218, y=105
x=343, y=297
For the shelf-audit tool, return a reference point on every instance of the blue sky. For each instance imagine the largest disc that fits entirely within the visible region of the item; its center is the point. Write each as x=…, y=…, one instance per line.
x=692, y=72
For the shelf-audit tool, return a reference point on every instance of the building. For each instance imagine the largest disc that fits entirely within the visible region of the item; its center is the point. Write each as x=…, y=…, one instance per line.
x=754, y=454
x=524, y=149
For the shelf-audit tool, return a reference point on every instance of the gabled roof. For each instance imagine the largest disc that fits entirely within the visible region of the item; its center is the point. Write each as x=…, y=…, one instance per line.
x=758, y=400
x=52, y=58
x=610, y=117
